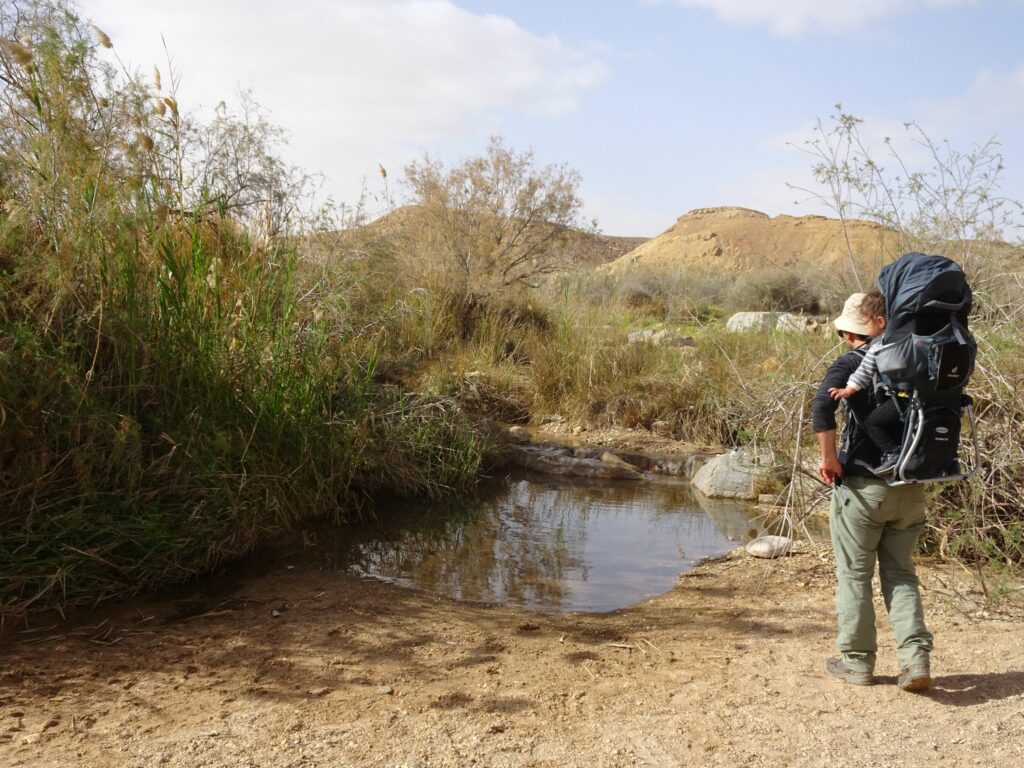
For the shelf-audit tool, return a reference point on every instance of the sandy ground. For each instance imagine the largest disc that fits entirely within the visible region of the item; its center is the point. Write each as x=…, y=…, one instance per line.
x=310, y=668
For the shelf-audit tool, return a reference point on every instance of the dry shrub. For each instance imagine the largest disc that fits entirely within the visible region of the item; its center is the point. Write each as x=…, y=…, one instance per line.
x=494, y=221
x=494, y=394
x=777, y=290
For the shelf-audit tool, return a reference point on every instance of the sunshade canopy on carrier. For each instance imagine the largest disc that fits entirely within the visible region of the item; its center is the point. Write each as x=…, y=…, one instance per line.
x=921, y=292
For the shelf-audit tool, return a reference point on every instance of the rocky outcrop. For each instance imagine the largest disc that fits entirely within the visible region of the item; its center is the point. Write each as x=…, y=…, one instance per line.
x=559, y=460
x=740, y=474
x=785, y=322
x=599, y=462
x=731, y=241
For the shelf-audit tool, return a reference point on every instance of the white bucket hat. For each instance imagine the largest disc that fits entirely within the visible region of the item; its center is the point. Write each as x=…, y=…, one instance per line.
x=851, y=319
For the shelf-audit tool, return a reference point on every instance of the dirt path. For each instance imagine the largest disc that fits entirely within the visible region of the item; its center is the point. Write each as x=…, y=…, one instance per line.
x=307, y=668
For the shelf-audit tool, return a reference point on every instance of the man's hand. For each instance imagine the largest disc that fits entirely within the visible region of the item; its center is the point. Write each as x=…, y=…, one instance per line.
x=829, y=469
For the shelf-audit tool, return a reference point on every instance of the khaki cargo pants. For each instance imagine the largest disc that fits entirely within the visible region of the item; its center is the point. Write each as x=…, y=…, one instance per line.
x=869, y=521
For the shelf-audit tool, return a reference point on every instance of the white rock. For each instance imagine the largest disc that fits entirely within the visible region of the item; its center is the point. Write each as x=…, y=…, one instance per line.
x=770, y=546
x=751, y=321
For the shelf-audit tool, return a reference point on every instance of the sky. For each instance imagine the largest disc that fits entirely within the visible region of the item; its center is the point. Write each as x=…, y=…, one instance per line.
x=662, y=106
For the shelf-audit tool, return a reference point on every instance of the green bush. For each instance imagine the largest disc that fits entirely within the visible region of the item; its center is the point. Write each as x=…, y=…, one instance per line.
x=175, y=384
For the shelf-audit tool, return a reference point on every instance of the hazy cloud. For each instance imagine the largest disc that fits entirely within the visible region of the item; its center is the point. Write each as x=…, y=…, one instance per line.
x=792, y=18
x=994, y=103
x=356, y=81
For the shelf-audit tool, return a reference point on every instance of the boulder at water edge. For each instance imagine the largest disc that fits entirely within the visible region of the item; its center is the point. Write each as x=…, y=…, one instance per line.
x=769, y=546
x=740, y=474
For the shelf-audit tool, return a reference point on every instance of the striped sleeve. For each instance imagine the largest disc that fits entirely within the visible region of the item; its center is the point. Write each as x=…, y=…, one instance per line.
x=865, y=373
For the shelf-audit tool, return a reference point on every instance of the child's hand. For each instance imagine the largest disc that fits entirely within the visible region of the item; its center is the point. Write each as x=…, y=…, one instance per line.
x=841, y=394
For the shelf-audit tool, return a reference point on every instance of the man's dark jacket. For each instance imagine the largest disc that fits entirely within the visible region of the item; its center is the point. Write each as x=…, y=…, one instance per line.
x=863, y=453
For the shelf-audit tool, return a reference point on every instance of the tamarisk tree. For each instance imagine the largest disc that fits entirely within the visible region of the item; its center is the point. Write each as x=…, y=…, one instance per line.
x=496, y=220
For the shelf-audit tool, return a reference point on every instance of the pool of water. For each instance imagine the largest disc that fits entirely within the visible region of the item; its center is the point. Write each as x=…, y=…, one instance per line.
x=538, y=542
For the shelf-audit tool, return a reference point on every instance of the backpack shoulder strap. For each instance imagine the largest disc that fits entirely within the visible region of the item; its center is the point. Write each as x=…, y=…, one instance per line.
x=853, y=435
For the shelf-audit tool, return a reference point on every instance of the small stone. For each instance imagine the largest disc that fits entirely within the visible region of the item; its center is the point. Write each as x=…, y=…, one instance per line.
x=317, y=693
x=682, y=342
x=275, y=613
x=385, y=690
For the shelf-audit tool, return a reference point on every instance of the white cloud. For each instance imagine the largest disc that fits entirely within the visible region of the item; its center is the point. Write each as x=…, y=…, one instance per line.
x=793, y=18
x=356, y=82
x=993, y=103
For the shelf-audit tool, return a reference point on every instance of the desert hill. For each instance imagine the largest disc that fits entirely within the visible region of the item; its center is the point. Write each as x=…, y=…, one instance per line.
x=584, y=248
x=738, y=239
x=592, y=249
x=727, y=240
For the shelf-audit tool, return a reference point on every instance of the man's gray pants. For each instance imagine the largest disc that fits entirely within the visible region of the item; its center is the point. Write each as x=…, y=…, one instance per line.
x=869, y=521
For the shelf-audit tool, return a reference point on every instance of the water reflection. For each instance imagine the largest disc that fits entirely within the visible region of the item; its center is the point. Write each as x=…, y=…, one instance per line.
x=542, y=543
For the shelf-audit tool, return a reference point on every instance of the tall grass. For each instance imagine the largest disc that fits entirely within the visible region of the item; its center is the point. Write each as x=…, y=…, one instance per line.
x=173, y=389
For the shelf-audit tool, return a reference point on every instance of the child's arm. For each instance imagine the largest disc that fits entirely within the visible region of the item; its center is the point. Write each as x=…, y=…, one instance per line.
x=860, y=378
x=863, y=376
x=847, y=391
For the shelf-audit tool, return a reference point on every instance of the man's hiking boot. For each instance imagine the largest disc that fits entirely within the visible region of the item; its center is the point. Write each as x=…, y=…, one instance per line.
x=916, y=677
x=837, y=668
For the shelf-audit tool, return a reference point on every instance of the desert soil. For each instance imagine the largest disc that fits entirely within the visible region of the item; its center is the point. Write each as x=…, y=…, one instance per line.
x=311, y=668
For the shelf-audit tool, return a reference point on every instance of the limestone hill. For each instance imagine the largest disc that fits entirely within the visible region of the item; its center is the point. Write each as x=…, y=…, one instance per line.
x=734, y=240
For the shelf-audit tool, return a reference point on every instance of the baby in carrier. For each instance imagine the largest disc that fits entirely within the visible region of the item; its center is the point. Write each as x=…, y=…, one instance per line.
x=884, y=425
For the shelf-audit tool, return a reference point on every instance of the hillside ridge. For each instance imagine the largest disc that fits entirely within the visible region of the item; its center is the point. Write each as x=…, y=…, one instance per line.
x=738, y=239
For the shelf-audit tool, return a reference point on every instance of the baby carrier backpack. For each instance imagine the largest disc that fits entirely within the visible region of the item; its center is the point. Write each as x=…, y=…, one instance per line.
x=926, y=362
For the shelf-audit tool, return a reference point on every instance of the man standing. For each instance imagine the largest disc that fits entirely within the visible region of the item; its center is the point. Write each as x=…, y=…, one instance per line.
x=870, y=521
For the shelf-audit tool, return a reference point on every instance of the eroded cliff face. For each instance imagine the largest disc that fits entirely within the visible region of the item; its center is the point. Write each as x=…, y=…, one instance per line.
x=738, y=239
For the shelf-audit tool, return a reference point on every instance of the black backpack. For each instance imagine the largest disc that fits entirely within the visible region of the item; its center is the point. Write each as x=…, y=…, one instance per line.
x=926, y=360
